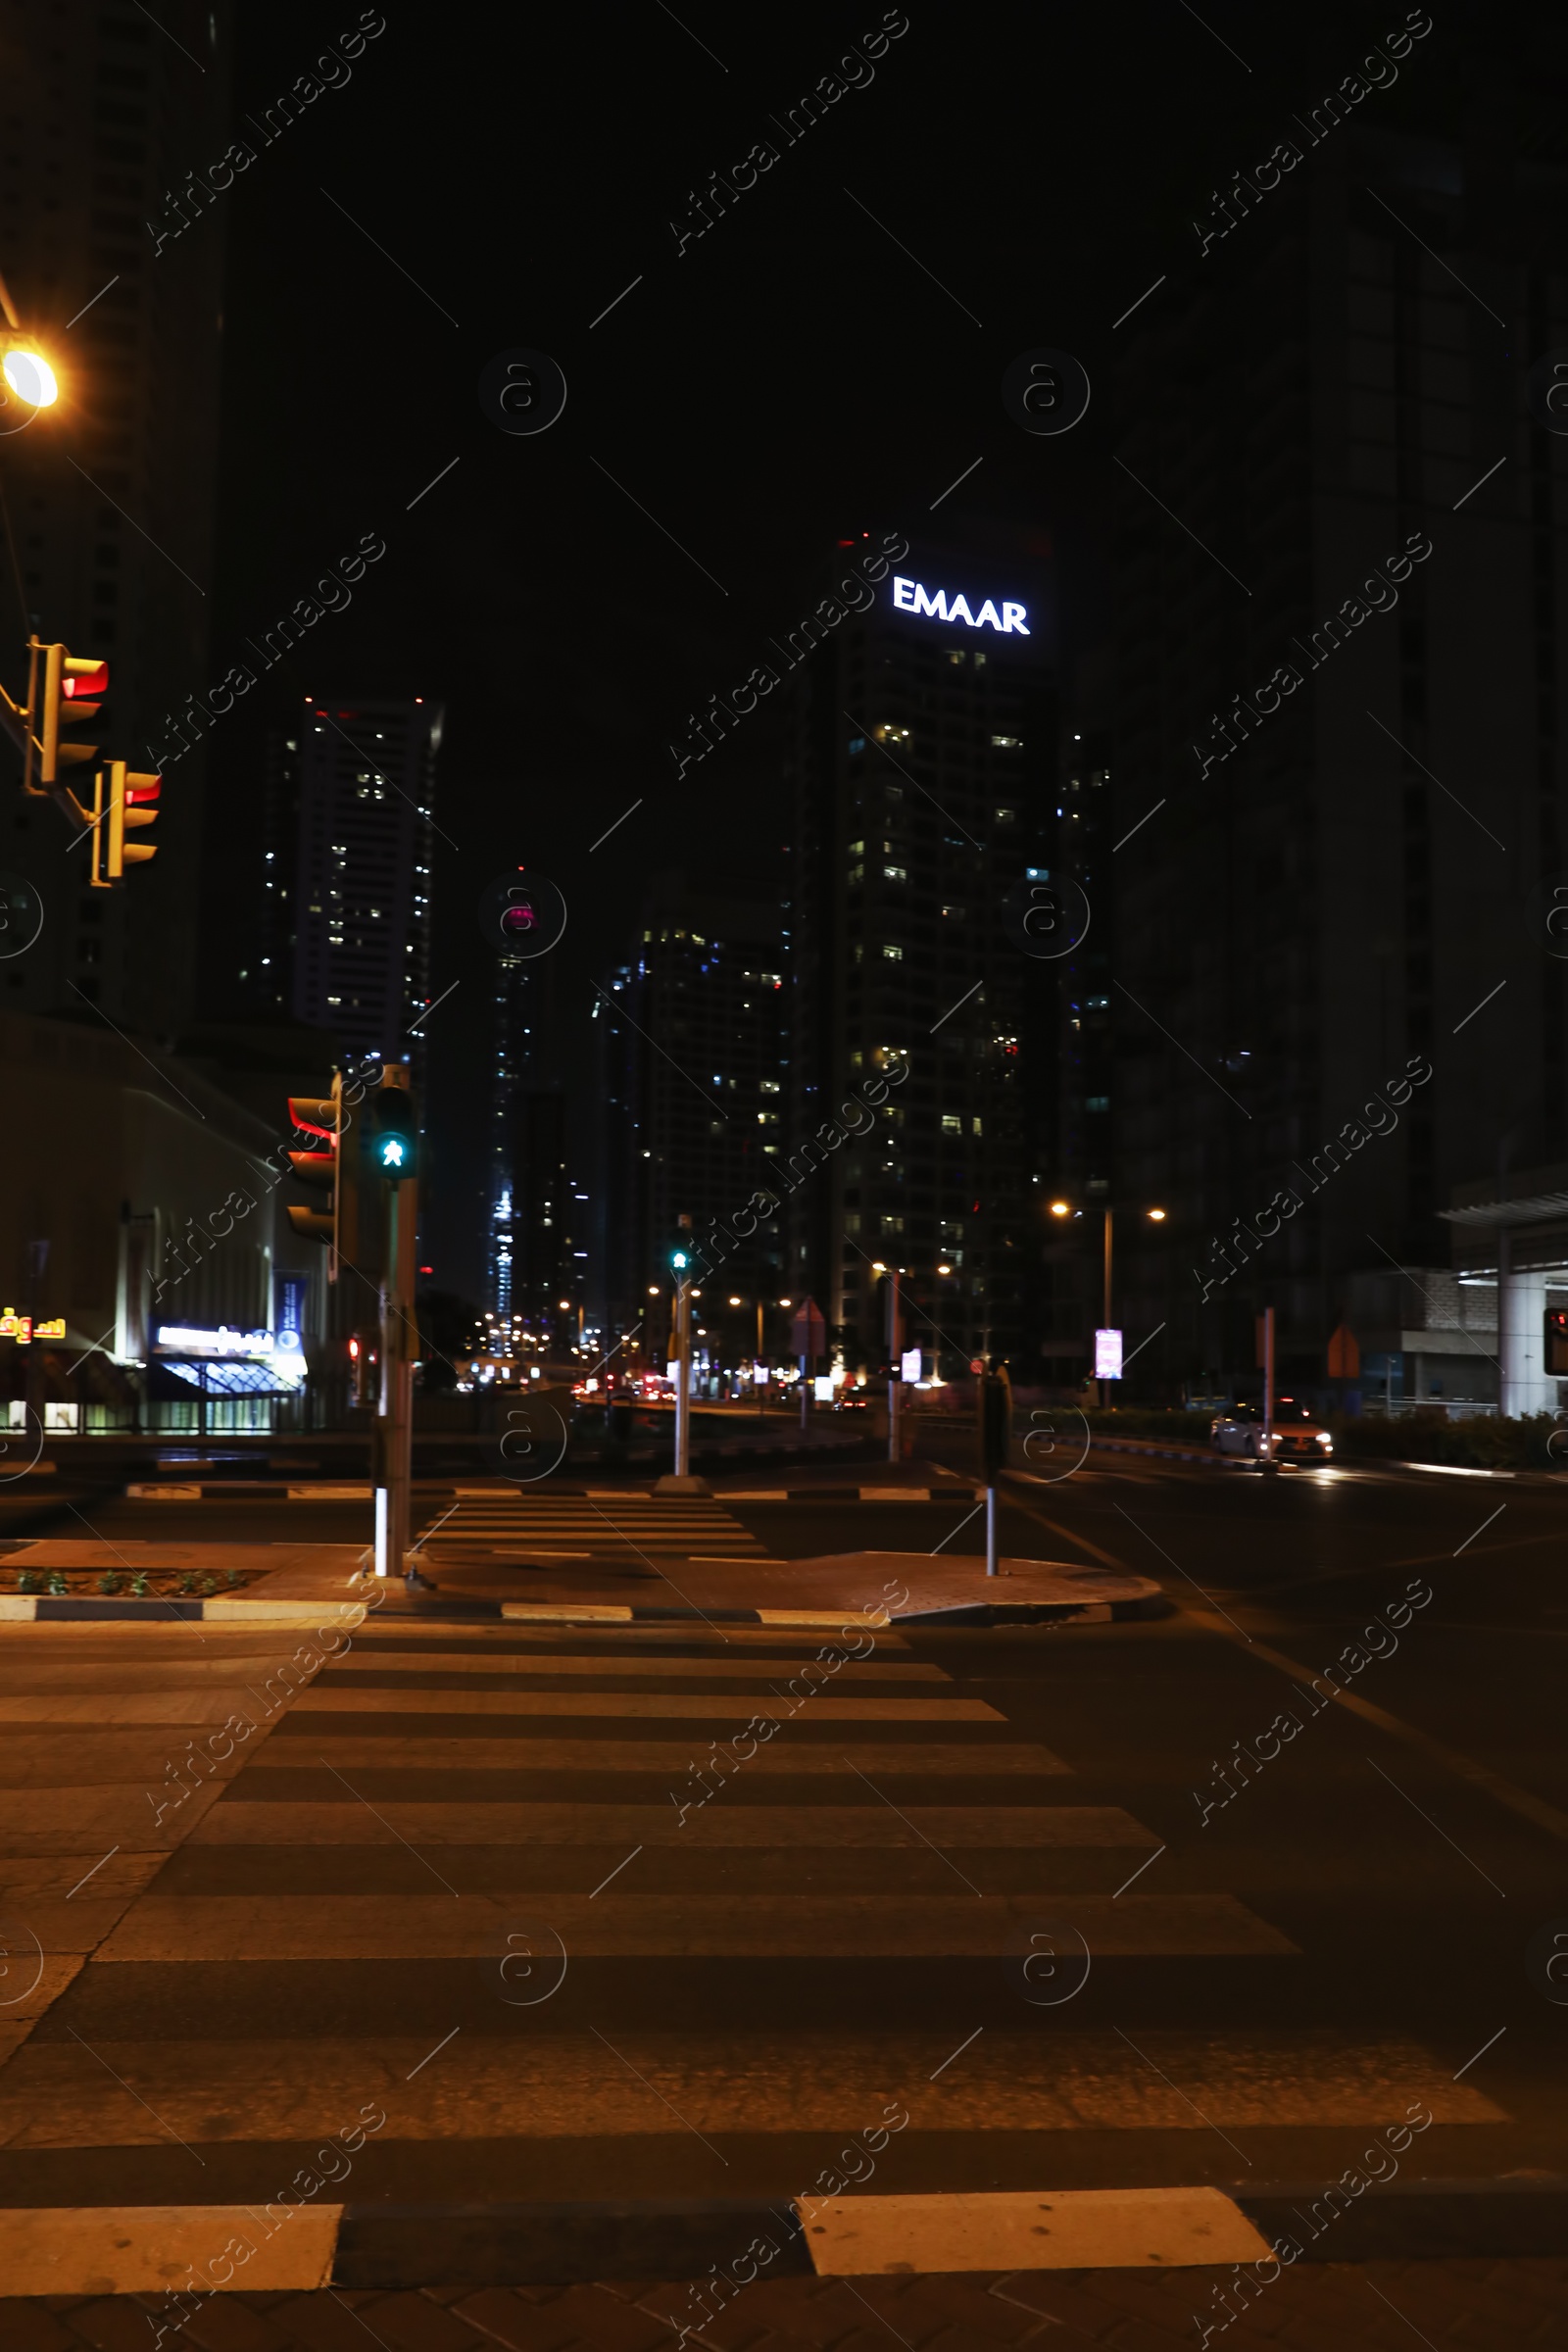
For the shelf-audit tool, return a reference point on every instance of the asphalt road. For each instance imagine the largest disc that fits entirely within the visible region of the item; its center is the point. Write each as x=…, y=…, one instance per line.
x=1296, y=1937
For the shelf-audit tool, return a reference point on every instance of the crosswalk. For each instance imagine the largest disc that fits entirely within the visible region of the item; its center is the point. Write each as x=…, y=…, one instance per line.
x=488, y=1527
x=628, y=1914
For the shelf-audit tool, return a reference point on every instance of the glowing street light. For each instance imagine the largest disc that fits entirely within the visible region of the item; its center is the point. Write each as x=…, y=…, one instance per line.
x=27, y=370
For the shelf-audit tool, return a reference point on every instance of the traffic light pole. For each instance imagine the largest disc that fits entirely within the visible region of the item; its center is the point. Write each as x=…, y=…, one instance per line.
x=994, y=1403
x=893, y=1382
x=683, y=1378
x=394, y=1427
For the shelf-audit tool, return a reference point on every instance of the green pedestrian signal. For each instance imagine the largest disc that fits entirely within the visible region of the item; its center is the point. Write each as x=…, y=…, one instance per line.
x=394, y=1150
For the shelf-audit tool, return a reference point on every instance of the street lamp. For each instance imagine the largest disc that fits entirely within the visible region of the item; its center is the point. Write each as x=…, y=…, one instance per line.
x=24, y=365
x=1066, y=1208
x=27, y=370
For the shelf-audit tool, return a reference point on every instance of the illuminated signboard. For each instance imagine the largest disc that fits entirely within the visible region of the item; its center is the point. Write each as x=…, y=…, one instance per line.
x=221, y=1342
x=54, y=1329
x=1108, y=1355
x=937, y=603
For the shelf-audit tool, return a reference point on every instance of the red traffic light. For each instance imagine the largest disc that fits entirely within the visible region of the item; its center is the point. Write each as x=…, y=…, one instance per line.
x=314, y=1114
x=84, y=681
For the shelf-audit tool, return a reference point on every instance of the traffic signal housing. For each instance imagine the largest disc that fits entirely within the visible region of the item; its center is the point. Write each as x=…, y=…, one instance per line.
x=64, y=690
x=328, y=1119
x=995, y=1404
x=122, y=803
x=394, y=1145
x=683, y=1257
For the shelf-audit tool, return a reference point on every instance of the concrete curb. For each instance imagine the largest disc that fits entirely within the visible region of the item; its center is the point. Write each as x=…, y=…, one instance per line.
x=101, y=2250
x=256, y=1490
x=22, y=1609
x=1165, y=1453
x=19, y=1608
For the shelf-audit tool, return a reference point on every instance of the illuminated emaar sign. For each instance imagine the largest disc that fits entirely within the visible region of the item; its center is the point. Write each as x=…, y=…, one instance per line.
x=911, y=596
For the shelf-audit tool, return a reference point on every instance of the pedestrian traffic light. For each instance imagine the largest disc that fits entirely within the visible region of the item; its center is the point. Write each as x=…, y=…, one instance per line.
x=120, y=802
x=65, y=690
x=683, y=1257
x=1556, y=1342
x=394, y=1146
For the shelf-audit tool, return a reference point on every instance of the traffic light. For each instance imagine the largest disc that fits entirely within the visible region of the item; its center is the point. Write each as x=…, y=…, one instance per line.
x=1556, y=1343
x=64, y=690
x=394, y=1146
x=330, y=1169
x=120, y=802
x=994, y=1403
x=683, y=1257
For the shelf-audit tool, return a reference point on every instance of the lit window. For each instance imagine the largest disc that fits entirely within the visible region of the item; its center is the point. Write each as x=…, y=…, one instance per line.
x=1007, y=743
x=896, y=873
x=1096, y=1102
x=952, y=1124
x=893, y=955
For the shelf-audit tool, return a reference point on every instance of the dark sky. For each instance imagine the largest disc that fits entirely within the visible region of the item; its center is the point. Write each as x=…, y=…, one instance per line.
x=794, y=376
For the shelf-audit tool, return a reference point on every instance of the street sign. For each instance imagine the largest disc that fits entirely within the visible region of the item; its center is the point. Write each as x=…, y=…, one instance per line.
x=1108, y=1355
x=1345, y=1355
x=909, y=1365
x=808, y=1331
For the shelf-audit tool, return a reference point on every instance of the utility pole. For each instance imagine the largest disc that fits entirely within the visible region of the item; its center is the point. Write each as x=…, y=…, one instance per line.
x=1269, y=1388
x=758, y=1378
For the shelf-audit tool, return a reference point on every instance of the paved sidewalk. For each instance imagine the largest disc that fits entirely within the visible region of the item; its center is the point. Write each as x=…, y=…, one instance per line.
x=1375, y=2307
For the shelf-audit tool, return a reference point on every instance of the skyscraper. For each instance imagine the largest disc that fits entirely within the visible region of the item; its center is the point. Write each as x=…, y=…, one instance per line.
x=342, y=940
x=921, y=756
x=1340, y=713
x=108, y=497
x=693, y=1089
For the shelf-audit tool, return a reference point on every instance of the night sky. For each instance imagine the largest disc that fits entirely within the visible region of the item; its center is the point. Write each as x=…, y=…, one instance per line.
x=791, y=378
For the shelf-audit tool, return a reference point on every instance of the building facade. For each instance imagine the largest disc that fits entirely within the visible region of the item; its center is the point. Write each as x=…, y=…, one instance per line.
x=920, y=761
x=109, y=492
x=1339, y=710
x=692, y=1100
x=337, y=935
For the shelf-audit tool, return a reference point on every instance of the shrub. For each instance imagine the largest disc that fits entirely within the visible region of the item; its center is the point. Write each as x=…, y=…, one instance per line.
x=110, y=1581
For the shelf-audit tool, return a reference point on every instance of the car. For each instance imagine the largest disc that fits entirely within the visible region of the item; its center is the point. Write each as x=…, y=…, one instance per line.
x=844, y=1402
x=1297, y=1433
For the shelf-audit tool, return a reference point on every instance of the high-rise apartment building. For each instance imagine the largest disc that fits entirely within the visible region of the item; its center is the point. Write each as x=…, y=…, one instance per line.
x=109, y=495
x=692, y=1092
x=1340, y=711
x=921, y=757
x=342, y=938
